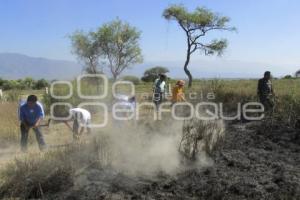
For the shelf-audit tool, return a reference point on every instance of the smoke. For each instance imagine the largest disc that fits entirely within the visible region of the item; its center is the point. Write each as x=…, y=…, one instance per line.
x=135, y=150
x=144, y=150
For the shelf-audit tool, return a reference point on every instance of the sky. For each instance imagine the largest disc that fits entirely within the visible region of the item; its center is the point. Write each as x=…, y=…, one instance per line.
x=268, y=30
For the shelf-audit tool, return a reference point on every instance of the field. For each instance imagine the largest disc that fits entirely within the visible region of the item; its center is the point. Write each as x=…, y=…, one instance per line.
x=140, y=160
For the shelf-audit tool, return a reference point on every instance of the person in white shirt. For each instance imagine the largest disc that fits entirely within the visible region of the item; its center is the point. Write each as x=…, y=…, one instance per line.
x=127, y=103
x=159, y=88
x=1, y=94
x=81, y=120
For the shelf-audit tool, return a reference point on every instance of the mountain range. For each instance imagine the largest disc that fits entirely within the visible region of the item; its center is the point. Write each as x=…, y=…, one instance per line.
x=14, y=66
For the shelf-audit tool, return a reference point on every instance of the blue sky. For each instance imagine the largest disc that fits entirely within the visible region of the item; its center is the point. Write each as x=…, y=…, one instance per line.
x=268, y=30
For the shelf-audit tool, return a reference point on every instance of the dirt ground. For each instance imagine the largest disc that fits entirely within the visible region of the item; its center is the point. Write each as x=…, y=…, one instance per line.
x=255, y=162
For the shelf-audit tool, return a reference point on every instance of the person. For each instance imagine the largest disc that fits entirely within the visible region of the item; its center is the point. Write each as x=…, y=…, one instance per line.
x=126, y=103
x=81, y=119
x=159, y=88
x=1, y=94
x=31, y=114
x=265, y=91
x=177, y=92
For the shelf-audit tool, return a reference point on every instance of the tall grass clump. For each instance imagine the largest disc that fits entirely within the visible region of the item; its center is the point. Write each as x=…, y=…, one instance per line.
x=9, y=123
x=233, y=92
x=38, y=175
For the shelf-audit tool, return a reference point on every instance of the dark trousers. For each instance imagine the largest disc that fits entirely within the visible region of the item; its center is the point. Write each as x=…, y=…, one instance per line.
x=38, y=135
x=76, y=127
x=267, y=102
x=158, y=99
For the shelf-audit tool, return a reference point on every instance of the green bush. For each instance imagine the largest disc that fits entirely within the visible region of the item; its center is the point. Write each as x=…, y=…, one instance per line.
x=287, y=77
x=22, y=84
x=151, y=74
x=40, y=84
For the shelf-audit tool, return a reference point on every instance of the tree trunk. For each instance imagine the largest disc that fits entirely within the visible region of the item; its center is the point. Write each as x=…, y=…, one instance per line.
x=115, y=77
x=186, y=70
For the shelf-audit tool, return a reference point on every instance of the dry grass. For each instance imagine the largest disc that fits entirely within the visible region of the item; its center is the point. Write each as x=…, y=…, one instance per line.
x=201, y=136
x=9, y=123
x=229, y=92
x=33, y=175
x=37, y=174
x=232, y=92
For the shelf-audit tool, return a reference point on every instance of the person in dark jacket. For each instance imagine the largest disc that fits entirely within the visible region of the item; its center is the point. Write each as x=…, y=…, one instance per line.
x=265, y=91
x=159, y=88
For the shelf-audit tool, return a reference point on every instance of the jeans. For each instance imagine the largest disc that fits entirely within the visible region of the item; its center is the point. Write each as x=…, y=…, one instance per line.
x=38, y=135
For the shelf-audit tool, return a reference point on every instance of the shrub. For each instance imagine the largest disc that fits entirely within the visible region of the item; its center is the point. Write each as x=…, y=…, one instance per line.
x=151, y=74
x=40, y=84
x=287, y=77
x=13, y=95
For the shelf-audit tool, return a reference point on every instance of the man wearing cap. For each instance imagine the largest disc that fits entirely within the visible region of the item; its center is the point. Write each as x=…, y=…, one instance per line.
x=31, y=113
x=265, y=91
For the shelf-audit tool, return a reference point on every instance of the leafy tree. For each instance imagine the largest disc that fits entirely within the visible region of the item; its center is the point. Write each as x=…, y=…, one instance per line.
x=19, y=84
x=151, y=74
x=196, y=25
x=1, y=82
x=87, y=49
x=119, y=44
x=287, y=77
x=41, y=84
x=7, y=85
x=28, y=82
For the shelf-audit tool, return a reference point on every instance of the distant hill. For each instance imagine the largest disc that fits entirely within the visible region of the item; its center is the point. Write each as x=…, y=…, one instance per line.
x=13, y=66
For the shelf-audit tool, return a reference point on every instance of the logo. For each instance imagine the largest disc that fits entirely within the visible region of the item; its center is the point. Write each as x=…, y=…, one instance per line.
x=124, y=107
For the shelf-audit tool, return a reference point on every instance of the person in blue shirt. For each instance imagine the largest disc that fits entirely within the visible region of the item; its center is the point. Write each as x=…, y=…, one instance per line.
x=31, y=114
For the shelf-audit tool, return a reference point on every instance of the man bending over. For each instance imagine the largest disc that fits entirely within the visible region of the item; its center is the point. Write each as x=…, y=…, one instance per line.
x=31, y=114
x=81, y=119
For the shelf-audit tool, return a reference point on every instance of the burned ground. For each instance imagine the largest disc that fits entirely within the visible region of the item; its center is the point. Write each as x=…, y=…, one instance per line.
x=254, y=162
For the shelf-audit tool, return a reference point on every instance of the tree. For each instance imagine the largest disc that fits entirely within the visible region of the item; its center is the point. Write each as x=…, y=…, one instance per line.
x=41, y=84
x=1, y=82
x=21, y=85
x=28, y=82
x=288, y=77
x=86, y=48
x=196, y=25
x=119, y=44
x=151, y=74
